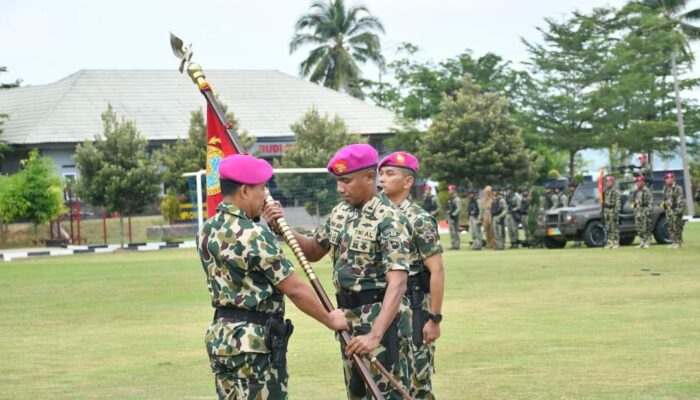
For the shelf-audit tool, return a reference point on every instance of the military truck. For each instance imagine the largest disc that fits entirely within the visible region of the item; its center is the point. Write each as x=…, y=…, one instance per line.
x=583, y=221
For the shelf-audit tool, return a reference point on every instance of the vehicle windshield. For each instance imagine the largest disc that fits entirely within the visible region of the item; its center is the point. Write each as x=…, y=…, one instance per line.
x=586, y=194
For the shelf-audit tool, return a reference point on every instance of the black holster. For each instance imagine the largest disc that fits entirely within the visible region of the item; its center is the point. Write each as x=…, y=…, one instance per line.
x=278, y=333
x=418, y=287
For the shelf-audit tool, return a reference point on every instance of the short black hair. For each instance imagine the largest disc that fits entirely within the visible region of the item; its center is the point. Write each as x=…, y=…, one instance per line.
x=229, y=187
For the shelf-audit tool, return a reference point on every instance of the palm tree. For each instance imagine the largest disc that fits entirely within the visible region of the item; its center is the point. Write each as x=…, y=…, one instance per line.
x=681, y=20
x=344, y=37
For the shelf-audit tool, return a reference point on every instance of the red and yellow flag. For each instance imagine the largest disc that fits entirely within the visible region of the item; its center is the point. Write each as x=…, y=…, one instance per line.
x=219, y=145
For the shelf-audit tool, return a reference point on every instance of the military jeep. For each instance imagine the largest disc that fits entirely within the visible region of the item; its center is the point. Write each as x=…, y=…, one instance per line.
x=583, y=221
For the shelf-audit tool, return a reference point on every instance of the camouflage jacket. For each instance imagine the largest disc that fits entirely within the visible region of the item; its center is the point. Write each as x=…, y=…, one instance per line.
x=431, y=204
x=513, y=201
x=365, y=243
x=673, y=198
x=642, y=200
x=425, y=239
x=243, y=265
x=499, y=208
x=611, y=200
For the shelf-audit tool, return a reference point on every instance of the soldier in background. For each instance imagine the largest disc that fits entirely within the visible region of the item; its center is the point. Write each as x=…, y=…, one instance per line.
x=547, y=203
x=454, y=205
x=524, y=211
x=474, y=210
x=248, y=276
x=642, y=204
x=611, y=212
x=430, y=202
x=569, y=197
x=673, y=204
x=513, y=200
x=499, y=208
x=556, y=197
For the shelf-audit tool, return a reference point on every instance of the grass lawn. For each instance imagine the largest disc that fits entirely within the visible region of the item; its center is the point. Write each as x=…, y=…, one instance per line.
x=525, y=324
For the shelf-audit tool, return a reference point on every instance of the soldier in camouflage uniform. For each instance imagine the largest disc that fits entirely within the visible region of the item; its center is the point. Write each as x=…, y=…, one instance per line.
x=247, y=276
x=556, y=197
x=524, y=217
x=499, y=208
x=474, y=211
x=611, y=212
x=674, y=204
x=430, y=202
x=513, y=201
x=454, y=206
x=642, y=204
x=426, y=279
x=369, y=242
x=547, y=203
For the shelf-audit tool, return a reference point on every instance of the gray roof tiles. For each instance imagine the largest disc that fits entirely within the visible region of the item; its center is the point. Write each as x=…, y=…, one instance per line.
x=265, y=102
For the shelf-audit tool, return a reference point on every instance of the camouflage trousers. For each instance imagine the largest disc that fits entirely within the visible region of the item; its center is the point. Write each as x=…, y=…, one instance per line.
x=610, y=218
x=248, y=376
x=526, y=228
x=360, y=321
x=674, y=222
x=424, y=365
x=512, y=226
x=499, y=228
x=642, y=220
x=475, y=229
x=454, y=232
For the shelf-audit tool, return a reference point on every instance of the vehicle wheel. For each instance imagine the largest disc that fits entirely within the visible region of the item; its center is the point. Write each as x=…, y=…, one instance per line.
x=552, y=243
x=595, y=235
x=627, y=240
x=661, y=233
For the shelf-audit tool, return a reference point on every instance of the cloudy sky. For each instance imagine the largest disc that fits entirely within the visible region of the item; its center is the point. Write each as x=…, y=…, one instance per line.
x=44, y=41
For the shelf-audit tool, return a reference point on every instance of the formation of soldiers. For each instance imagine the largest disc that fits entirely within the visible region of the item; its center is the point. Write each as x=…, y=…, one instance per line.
x=493, y=217
x=387, y=271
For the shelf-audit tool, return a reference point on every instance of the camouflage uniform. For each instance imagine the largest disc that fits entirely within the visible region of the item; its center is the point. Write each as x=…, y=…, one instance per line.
x=513, y=217
x=243, y=266
x=524, y=217
x=431, y=205
x=611, y=213
x=425, y=243
x=365, y=243
x=454, y=206
x=499, y=208
x=642, y=203
x=555, y=200
x=564, y=200
x=674, y=204
x=475, y=214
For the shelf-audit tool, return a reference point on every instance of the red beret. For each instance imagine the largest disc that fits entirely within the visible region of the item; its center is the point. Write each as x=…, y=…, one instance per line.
x=669, y=175
x=451, y=187
x=639, y=178
x=245, y=169
x=352, y=158
x=400, y=159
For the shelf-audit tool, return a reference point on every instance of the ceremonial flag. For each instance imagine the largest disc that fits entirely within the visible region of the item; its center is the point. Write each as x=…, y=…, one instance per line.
x=219, y=145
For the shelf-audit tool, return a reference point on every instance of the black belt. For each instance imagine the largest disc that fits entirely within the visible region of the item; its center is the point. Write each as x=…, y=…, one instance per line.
x=608, y=207
x=352, y=300
x=240, y=315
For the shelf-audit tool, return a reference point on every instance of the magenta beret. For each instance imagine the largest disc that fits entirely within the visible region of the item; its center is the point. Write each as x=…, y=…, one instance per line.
x=245, y=169
x=352, y=158
x=400, y=159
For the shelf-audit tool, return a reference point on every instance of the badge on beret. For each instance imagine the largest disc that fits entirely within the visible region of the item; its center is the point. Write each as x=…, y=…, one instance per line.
x=400, y=159
x=340, y=166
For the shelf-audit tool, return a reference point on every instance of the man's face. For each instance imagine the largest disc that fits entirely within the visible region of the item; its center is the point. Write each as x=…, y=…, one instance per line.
x=609, y=183
x=357, y=187
x=254, y=197
x=394, y=180
x=640, y=184
x=427, y=191
x=451, y=191
x=669, y=181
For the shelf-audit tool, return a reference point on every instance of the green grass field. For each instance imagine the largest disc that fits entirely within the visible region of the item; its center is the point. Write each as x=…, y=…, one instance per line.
x=526, y=324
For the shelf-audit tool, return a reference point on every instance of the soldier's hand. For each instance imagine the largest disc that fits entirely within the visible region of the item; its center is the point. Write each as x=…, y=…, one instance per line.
x=337, y=321
x=431, y=331
x=271, y=212
x=362, y=345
